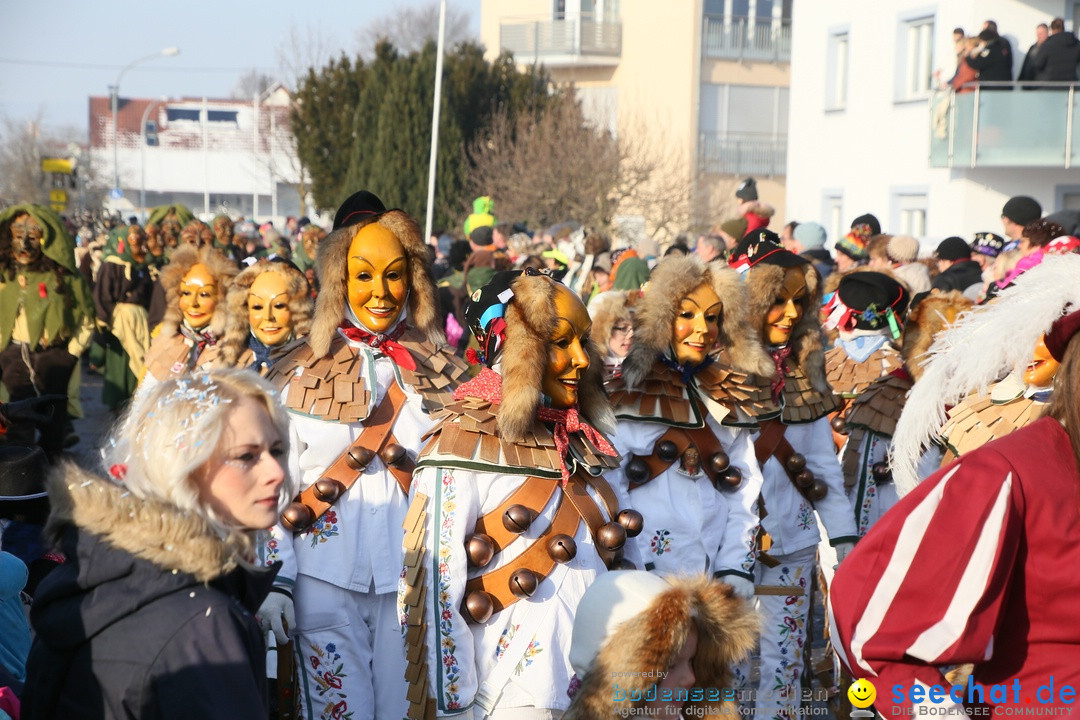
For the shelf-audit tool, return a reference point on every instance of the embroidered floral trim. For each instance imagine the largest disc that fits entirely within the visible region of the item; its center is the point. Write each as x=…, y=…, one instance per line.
x=324, y=528
x=327, y=670
x=534, y=649
x=272, y=554
x=450, y=669
x=805, y=516
x=661, y=542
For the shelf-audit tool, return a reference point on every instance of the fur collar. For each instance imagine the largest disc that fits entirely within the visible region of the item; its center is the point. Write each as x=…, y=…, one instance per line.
x=931, y=316
x=148, y=529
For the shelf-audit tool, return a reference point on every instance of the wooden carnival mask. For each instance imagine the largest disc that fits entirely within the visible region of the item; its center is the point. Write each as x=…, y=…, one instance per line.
x=223, y=230
x=788, y=307
x=136, y=240
x=697, y=325
x=198, y=296
x=1043, y=367
x=26, y=236
x=378, y=283
x=269, y=314
x=567, y=358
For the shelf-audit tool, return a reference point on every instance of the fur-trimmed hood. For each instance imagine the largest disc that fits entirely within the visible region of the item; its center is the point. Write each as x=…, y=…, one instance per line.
x=148, y=529
x=763, y=282
x=530, y=323
x=673, y=279
x=647, y=644
x=237, y=326
x=333, y=264
x=185, y=258
x=608, y=309
x=934, y=314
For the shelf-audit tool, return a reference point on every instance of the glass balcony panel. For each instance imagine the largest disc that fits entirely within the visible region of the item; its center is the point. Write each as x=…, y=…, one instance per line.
x=964, y=107
x=1024, y=128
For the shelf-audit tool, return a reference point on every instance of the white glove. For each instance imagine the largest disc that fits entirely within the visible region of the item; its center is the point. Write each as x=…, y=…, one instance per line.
x=842, y=551
x=743, y=588
x=277, y=614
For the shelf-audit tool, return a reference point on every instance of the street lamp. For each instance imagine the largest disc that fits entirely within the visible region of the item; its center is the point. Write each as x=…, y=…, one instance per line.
x=167, y=52
x=142, y=151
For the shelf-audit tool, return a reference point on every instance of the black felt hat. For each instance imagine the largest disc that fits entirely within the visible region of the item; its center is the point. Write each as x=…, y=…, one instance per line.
x=953, y=248
x=747, y=189
x=22, y=484
x=988, y=243
x=763, y=246
x=361, y=204
x=865, y=301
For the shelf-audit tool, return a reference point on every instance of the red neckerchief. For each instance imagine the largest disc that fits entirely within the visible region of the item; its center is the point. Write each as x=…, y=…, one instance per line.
x=488, y=386
x=903, y=374
x=386, y=344
x=779, y=356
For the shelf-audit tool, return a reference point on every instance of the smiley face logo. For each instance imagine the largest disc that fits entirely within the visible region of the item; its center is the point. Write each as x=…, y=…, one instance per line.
x=862, y=693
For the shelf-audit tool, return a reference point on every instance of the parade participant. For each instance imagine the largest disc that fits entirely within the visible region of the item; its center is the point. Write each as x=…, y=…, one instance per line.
x=976, y=564
x=613, y=327
x=307, y=250
x=798, y=462
x=359, y=391
x=968, y=360
x=872, y=419
x=511, y=518
x=685, y=426
x=152, y=609
x=46, y=316
x=268, y=308
x=171, y=219
x=195, y=283
x=867, y=312
x=660, y=638
x=224, y=238
x=122, y=298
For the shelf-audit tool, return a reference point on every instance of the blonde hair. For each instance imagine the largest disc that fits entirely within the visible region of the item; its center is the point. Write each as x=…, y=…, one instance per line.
x=174, y=429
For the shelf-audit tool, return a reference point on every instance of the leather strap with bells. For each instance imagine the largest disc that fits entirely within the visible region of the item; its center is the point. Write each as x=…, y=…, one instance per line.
x=772, y=443
x=704, y=442
x=377, y=437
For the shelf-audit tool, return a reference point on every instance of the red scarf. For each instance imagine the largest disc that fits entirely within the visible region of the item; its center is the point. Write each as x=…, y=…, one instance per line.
x=779, y=356
x=386, y=344
x=488, y=386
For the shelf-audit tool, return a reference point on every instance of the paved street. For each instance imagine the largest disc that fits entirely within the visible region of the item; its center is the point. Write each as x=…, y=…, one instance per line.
x=93, y=427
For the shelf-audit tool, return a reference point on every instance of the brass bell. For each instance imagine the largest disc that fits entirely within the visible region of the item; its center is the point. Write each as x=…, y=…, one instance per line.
x=517, y=519
x=298, y=517
x=667, y=451
x=479, y=607
x=881, y=473
x=611, y=536
x=731, y=479
x=480, y=550
x=393, y=454
x=839, y=425
x=562, y=548
x=804, y=478
x=328, y=490
x=524, y=582
x=632, y=521
x=719, y=462
x=795, y=462
x=637, y=471
x=817, y=490
x=358, y=458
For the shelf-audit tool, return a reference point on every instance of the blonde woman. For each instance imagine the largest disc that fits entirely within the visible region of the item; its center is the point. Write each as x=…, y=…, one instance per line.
x=153, y=609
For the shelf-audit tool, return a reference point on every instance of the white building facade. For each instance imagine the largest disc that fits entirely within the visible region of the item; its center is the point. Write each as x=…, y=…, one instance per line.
x=863, y=132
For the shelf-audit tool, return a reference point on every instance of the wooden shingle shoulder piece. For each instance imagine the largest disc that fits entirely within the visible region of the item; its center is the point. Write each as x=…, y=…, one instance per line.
x=977, y=420
x=848, y=378
x=878, y=407
x=800, y=400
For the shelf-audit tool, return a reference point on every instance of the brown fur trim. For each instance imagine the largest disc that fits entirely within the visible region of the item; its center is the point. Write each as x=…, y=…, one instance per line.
x=727, y=630
x=333, y=264
x=148, y=529
x=763, y=282
x=673, y=279
x=934, y=314
x=237, y=326
x=607, y=309
x=186, y=257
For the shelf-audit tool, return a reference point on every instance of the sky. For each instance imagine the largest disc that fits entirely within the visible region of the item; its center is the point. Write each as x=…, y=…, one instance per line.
x=52, y=61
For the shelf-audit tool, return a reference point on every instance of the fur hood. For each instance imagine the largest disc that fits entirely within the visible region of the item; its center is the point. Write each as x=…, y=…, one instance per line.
x=672, y=280
x=148, y=529
x=935, y=313
x=237, y=327
x=763, y=282
x=607, y=310
x=648, y=643
x=185, y=258
x=333, y=263
x=530, y=322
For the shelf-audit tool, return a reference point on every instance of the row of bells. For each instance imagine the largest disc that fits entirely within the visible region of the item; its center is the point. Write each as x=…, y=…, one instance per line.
x=730, y=477
x=882, y=473
x=298, y=517
x=562, y=548
x=804, y=477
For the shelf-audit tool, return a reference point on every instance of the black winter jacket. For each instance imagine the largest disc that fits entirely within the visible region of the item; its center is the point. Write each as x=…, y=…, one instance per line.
x=146, y=618
x=958, y=276
x=1058, y=58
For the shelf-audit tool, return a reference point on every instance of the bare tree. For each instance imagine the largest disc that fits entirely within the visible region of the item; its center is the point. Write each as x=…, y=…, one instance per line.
x=304, y=49
x=251, y=83
x=408, y=28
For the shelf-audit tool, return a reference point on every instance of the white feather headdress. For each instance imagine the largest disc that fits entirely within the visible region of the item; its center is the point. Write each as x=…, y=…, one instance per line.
x=983, y=345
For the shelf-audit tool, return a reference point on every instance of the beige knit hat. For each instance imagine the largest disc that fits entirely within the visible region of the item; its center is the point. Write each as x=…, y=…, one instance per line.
x=902, y=249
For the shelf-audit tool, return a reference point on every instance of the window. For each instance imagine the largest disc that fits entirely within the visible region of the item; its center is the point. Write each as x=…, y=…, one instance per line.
x=909, y=209
x=832, y=214
x=915, y=61
x=175, y=114
x=836, y=77
x=228, y=116
x=743, y=110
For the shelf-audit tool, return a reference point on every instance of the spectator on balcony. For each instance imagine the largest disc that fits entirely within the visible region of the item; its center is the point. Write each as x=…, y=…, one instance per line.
x=992, y=58
x=1027, y=70
x=1060, y=53
x=1016, y=213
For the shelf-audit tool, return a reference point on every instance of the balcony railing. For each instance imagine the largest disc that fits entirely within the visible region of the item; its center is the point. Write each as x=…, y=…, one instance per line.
x=574, y=41
x=742, y=154
x=740, y=38
x=1001, y=125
